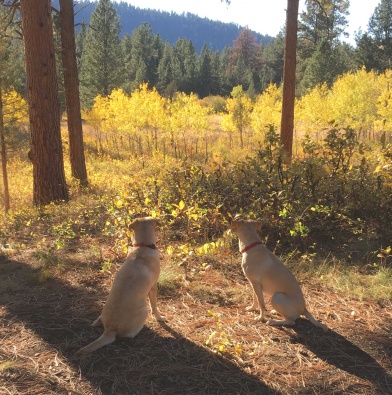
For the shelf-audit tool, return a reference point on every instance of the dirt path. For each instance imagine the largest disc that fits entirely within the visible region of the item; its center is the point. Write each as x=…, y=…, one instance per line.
x=42, y=323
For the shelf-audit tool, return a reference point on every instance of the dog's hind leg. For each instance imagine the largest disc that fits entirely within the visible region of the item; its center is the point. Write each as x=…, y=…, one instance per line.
x=106, y=338
x=285, y=307
x=97, y=322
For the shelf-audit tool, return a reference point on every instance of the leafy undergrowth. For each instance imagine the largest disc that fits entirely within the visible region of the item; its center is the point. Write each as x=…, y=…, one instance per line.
x=209, y=344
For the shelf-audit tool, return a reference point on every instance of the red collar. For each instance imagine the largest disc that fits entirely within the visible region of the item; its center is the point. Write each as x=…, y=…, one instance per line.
x=250, y=246
x=152, y=246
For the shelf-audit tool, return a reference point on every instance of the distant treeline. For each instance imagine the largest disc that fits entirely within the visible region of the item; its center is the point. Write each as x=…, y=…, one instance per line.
x=169, y=25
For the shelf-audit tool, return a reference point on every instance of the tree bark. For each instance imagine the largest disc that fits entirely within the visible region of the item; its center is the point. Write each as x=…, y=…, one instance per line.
x=4, y=156
x=44, y=112
x=290, y=59
x=72, y=98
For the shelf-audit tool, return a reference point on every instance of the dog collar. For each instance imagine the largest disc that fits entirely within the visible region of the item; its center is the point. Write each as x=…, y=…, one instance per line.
x=152, y=246
x=247, y=248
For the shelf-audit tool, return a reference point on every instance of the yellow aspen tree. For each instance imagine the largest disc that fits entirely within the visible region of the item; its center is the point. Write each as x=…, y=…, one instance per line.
x=354, y=99
x=238, y=118
x=383, y=125
x=188, y=119
x=267, y=111
x=313, y=111
x=96, y=117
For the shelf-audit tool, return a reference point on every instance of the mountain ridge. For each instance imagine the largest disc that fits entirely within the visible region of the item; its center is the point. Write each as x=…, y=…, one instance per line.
x=170, y=25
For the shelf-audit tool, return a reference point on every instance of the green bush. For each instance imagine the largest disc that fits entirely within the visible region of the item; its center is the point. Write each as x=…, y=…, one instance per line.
x=337, y=197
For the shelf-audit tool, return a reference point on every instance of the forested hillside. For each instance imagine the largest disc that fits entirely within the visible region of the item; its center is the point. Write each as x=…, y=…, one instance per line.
x=170, y=26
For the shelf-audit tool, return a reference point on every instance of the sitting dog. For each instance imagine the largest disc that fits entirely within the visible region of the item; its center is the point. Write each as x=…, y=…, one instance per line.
x=126, y=310
x=267, y=274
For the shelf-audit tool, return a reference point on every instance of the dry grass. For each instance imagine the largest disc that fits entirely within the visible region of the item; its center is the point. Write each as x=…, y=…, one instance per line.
x=42, y=324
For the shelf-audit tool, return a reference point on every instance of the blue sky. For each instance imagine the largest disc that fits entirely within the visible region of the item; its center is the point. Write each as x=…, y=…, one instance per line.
x=263, y=16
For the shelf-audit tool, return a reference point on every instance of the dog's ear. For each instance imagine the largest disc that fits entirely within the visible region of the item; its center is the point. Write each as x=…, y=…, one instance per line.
x=257, y=225
x=133, y=224
x=234, y=225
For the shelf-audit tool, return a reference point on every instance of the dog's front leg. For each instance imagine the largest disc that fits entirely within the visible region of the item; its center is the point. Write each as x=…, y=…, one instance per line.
x=258, y=292
x=152, y=295
x=255, y=303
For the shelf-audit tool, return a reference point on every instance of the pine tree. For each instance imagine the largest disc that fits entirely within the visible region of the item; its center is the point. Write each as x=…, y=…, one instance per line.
x=216, y=74
x=46, y=151
x=209, y=81
x=245, y=46
x=227, y=78
x=186, y=58
x=273, y=57
x=290, y=58
x=246, y=60
x=71, y=88
x=144, y=57
x=102, y=64
x=319, y=45
x=206, y=72
x=366, y=52
x=380, y=30
x=80, y=36
x=167, y=81
x=323, y=20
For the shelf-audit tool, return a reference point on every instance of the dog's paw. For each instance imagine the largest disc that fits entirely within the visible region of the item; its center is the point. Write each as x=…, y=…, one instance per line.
x=251, y=308
x=160, y=318
x=286, y=322
x=260, y=318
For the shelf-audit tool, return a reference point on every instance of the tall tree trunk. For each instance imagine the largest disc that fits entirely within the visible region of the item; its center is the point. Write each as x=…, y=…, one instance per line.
x=4, y=156
x=46, y=151
x=290, y=55
x=72, y=98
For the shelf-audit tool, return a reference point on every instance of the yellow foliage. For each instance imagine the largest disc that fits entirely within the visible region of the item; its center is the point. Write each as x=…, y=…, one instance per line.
x=384, y=103
x=147, y=109
x=238, y=118
x=14, y=108
x=267, y=110
x=313, y=111
x=188, y=116
x=146, y=116
x=97, y=115
x=354, y=98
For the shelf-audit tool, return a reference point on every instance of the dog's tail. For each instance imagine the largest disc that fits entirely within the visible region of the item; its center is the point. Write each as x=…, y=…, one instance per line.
x=314, y=321
x=106, y=338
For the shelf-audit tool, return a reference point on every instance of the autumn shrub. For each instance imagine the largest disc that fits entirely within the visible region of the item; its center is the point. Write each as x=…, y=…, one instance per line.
x=334, y=199
x=216, y=103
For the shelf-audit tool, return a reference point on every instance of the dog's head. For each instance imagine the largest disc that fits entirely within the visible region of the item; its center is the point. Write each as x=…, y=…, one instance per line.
x=240, y=224
x=145, y=227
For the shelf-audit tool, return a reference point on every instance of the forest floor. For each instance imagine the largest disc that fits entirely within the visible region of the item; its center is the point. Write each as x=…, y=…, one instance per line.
x=209, y=344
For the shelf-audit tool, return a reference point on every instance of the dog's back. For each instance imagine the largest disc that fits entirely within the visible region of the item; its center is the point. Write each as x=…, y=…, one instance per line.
x=272, y=273
x=126, y=306
x=126, y=310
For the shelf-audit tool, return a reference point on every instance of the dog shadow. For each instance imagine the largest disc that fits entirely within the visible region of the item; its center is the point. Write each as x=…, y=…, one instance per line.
x=168, y=363
x=60, y=315
x=338, y=351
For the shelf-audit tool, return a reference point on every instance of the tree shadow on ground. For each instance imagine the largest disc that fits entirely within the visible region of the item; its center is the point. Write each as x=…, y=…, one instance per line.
x=338, y=351
x=60, y=315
